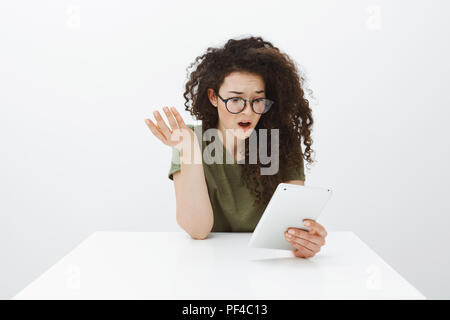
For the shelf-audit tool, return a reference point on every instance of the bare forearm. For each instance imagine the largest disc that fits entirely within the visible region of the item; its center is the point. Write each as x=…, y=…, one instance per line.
x=194, y=210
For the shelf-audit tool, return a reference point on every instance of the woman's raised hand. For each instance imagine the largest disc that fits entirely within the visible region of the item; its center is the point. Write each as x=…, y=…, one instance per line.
x=177, y=135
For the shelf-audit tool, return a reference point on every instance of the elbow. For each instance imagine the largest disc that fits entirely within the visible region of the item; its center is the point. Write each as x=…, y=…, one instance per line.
x=196, y=232
x=199, y=236
x=203, y=233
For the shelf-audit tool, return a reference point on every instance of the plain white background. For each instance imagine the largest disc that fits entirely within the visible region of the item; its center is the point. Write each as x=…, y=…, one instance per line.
x=77, y=79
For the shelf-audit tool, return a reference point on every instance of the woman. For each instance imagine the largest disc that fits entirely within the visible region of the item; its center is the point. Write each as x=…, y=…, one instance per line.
x=244, y=86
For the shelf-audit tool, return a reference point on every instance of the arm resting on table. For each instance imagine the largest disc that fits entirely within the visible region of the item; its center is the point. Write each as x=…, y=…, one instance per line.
x=194, y=210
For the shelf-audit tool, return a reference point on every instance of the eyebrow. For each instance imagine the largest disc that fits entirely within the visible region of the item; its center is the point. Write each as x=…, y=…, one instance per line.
x=237, y=92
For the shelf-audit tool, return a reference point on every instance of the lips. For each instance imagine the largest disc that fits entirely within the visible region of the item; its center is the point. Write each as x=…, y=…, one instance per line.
x=244, y=124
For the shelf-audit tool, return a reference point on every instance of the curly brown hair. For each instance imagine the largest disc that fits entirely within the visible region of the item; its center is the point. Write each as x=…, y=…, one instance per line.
x=290, y=113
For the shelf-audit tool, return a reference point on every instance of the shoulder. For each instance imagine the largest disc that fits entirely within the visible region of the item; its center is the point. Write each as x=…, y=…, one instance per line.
x=197, y=128
x=193, y=126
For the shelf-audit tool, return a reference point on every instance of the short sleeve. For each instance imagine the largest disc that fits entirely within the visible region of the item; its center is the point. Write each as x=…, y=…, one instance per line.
x=175, y=162
x=294, y=172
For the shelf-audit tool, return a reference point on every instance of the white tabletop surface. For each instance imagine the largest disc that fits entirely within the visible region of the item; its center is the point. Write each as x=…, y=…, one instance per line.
x=171, y=265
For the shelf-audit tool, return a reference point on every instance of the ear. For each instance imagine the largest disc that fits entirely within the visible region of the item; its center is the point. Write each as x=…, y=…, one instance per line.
x=212, y=97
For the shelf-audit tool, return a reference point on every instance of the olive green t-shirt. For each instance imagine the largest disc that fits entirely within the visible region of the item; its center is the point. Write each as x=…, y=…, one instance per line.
x=231, y=200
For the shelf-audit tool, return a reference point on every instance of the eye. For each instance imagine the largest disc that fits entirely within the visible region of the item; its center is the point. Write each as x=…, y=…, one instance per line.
x=235, y=99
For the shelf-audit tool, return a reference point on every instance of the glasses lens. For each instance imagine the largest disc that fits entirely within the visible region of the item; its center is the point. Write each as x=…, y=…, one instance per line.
x=262, y=105
x=235, y=104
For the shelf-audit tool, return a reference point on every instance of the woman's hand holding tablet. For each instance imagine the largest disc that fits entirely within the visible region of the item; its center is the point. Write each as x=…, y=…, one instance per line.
x=306, y=243
x=290, y=208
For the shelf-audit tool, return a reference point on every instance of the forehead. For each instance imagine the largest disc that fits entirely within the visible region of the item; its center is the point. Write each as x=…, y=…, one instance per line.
x=244, y=82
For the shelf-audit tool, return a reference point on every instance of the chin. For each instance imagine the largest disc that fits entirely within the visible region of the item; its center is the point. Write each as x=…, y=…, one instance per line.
x=243, y=134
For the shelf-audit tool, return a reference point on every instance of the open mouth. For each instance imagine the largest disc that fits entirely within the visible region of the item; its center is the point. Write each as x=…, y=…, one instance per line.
x=244, y=124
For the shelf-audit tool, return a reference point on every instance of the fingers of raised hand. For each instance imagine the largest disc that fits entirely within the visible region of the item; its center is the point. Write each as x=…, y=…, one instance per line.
x=170, y=117
x=162, y=124
x=179, y=129
x=178, y=117
x=173, y=135
x=154, y=128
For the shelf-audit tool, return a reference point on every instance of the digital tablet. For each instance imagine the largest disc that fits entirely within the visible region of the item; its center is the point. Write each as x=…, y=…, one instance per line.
x=289, y=205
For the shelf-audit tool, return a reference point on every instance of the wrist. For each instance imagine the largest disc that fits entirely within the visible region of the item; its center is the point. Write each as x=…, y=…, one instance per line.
x=190, y=152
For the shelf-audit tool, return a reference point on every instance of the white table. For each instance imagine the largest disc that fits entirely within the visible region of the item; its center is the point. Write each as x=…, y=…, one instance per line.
x=171, y=265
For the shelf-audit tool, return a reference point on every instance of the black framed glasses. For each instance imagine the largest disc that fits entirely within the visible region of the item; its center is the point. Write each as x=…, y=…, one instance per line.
x=237, y=104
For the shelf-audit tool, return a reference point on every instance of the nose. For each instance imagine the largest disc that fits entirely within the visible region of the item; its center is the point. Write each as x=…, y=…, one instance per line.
x=247, y=108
